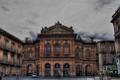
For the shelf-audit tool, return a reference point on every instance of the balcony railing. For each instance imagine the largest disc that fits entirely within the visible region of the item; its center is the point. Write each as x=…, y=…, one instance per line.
x=8, y=48
x=4, y=61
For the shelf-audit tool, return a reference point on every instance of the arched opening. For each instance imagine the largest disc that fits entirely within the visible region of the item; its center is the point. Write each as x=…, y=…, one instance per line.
x=66, y=48
x=88, y=70
x=57, y=49
x=78, y=70
x=57, y=70
x=66, y=70
x=47, y=70
x=29, y=69
x=47, y=49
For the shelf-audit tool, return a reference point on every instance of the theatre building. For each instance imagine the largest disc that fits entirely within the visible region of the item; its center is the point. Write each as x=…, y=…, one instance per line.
x=57, y=52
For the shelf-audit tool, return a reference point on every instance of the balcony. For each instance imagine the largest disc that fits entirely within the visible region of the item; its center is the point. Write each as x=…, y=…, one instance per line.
x=11, y=49
x=5, y=62
x=18, y=64
x=5, y=47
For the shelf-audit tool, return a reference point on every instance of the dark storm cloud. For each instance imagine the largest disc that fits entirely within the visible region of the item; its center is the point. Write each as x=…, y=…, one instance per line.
x=96, y=36
x=5, y=8
x=32, y=22
x=104, y=2
x=101, y=3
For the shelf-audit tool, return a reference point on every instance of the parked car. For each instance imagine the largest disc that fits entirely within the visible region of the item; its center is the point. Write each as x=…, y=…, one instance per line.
x=34, y=76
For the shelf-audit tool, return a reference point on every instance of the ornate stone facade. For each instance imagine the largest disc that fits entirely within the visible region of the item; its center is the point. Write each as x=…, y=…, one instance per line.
x=116, y=25
x=106, y=54
x=57, y=52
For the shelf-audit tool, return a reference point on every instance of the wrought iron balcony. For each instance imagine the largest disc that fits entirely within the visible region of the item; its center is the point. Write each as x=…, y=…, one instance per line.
x=4, y=61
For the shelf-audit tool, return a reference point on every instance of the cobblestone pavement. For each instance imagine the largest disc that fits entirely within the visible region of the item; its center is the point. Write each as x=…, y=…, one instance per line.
x=30, y=78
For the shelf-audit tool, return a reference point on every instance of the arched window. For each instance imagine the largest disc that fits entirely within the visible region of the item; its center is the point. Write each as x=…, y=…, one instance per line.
x=57, y=49
x=66, y=65
x=66, y=70
x=57, y=70
x=77, y=52
x=47, y=70
x=57, y=65
x=29, y=69
x=47, y=65
x=87, y=54
x=47, y=49
x=88, y=70
x=66, y=48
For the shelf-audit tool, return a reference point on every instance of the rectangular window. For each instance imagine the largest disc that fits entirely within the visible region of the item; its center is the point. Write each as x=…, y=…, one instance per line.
x=4, y=60
x=12, y=59
x=6, y=43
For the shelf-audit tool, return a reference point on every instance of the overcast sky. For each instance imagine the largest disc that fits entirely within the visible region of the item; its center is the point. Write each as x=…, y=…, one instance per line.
x=19, y=17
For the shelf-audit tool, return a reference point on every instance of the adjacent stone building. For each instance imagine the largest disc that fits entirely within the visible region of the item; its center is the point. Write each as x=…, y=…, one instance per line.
x=57, y=52
x=116, y=25
x=106, y=54
x=10, y=53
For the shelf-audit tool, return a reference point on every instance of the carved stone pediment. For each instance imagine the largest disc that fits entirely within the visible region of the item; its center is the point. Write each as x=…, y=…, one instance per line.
x=57, y=28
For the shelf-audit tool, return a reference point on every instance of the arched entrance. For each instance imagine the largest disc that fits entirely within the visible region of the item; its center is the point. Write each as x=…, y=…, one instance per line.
x=66, y=68
x=78, y=71
x=57, y=70
x=29, y=69
x=47, y=70
x=88, y=70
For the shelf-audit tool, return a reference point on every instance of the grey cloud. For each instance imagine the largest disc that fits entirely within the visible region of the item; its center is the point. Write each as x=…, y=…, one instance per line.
x=33, y=35
x=101, y=3
x=104, y=2
x=32, y=22
x=5, y=8
x=29, y=15
x=96, y=36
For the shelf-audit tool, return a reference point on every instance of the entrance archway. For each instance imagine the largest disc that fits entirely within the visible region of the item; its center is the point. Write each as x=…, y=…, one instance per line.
x=66, y=68
x=47, y=70
x=88, y=70
x=57, y=70
x=29, y=69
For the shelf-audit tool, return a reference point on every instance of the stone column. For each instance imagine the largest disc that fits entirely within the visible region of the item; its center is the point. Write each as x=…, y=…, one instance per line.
x=100, y=64
x=62, y=69
x=52, y=68
x=42, y=69
x=73, y=69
